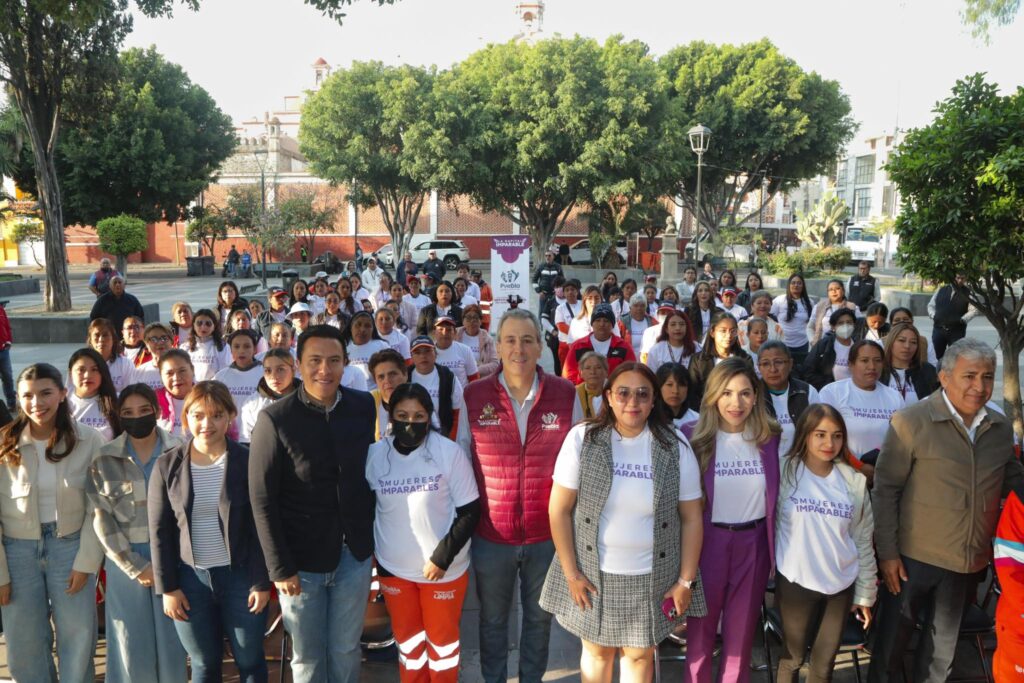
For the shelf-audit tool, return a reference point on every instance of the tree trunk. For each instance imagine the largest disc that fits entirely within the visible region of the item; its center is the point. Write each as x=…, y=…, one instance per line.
x=263, y=265
x=122, y=265
x=57, y=294
x=1011, y=383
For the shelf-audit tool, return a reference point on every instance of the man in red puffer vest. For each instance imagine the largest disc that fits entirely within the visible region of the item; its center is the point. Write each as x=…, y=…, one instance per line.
x=513, y=425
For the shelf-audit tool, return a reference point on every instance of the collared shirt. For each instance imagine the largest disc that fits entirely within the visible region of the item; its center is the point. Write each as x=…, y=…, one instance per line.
x=973, y=429
x=314, y=403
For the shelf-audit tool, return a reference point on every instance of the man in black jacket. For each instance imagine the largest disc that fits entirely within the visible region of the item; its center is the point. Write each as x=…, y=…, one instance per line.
x=313, y=509
x=116, y=305
x=950, y=310
x=545, y=274
x=863, y=289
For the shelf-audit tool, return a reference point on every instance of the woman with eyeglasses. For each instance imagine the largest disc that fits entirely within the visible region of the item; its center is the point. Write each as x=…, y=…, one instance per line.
x=737, y=446
x=478, y=340
x=132, y=345
x=788, y=396
x=159, y=339
x=625, y=513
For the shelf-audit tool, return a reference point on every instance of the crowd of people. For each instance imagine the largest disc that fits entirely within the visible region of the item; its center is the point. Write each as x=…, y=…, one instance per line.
x=696, y=446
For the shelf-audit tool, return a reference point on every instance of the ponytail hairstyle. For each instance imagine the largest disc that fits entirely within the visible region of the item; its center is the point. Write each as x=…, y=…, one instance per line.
x=218, y=340
x=107, y=394
x=791, y=302
x=64, y=431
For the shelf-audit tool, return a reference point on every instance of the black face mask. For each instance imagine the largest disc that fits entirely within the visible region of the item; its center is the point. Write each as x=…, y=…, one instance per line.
x=409, y=434
x=105, y=269
x=139, y=427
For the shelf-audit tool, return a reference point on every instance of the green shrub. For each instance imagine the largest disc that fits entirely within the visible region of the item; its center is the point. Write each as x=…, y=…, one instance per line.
x=809, y=261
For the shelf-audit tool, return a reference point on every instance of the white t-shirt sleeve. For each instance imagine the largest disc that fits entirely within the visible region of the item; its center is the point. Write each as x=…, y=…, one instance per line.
x=461, y=480
x=567, y=464
x=463, y=436
x=470, y=360
x=689, y=474
x=457, y=401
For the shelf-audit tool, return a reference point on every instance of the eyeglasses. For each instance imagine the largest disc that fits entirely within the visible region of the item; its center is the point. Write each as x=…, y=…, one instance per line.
x=772, y=364
x=162, y=339
x=623, y=394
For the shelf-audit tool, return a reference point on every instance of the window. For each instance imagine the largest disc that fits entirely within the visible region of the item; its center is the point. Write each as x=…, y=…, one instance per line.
x=887, y=195
x=841, y=174
x=862, y=203
x=865, y=172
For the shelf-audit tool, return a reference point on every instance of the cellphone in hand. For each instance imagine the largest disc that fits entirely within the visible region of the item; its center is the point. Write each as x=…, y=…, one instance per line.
x=668, y=608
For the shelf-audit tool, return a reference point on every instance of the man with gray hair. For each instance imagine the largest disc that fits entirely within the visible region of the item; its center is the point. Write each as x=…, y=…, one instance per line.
x=513, y=425
x=116, y=305
x=99, y=282
x=944, y=465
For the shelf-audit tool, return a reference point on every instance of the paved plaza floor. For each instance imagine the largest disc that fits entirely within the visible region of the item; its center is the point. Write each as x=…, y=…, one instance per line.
x=165, y=286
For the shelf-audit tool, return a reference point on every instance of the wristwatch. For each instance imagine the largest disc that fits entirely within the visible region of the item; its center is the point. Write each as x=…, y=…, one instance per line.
x=685, y=583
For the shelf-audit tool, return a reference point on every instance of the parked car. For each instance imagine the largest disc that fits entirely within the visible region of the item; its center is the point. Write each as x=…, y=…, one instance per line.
x=451, y=252
x=579, y=252
x=864, y=246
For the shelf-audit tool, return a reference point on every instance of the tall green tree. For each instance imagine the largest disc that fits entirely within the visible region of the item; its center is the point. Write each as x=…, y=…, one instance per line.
x=769, y=118
x=152, y=152
x=354, y=132
x=122, y=235
x=56, y=51
x=962, y=182
x=982, y=15
x=533, y=131
x=307, y=213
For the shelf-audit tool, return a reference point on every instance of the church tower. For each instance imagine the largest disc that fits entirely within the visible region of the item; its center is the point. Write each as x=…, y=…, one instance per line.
x=531, y=19
x=321, y=70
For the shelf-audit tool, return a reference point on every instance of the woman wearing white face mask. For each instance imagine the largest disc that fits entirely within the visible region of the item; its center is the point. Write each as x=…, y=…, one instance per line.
x=829, y=361
x=821, y=316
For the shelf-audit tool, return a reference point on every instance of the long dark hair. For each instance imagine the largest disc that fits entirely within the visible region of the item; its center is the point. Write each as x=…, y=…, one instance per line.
x=688, y=340
x=807, y=423
x=107, y=393
x=221, y=305
x=791, y=303
x=709, y=349
x=658, y=422
x=64, y=427
x=374, y=334
x=218, y=340
x=681, y=375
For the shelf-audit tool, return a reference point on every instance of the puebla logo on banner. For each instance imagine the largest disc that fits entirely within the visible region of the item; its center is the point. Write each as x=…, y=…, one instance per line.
x=510, y=272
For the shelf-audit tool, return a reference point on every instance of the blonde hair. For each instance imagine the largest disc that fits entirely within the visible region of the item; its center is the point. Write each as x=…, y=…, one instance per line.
x=761, y=426
x=890, y=341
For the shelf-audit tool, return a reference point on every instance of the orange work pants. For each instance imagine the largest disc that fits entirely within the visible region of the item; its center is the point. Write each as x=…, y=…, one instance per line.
x=425, y=619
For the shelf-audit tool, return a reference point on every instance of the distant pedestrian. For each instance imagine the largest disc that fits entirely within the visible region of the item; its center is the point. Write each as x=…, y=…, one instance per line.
x=863, y=289
x=115, y=305
x=99, y=282
x=950, y=311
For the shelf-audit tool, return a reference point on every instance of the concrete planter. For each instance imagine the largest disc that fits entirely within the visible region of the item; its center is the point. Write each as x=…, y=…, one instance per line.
x=896, y=298
x=43, y=328
x=27, y=285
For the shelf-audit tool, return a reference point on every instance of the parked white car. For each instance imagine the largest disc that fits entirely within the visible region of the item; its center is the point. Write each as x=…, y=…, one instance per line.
x=579, y=252
x=451, y=252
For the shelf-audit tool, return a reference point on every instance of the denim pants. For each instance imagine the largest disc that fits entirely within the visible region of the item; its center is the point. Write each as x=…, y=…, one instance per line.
x=218, y=606
x=142, y=644
x=39, y=576
x=497, y=566
x=326, y=620
x=7, y=376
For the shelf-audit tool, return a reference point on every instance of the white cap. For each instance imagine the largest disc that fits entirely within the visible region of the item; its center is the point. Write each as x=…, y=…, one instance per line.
x=320, y=274
x=299, y=307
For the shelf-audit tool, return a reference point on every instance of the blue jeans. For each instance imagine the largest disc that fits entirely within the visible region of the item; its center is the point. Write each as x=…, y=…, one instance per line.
x=497, y=566
x=39, y=576
x=7, y=377
x=142, y=645
x=326, y=620
x=218, y=606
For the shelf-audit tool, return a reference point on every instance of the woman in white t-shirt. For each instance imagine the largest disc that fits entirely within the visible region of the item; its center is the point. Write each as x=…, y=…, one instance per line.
x=675, y=343
x=579, y=327
x=427, y=506
x=824, y=554
x=865, y=404
x=793, y=311
x=384, y=319
x=737, y=444
x=93, y=399
x=206, y=346
x=102, y=338
x=362, y=341
x=278, y=381
x=835, y=301
x=626, y=523
x=178, y=378
x=478, y=340
x=674, y=388
x=829, y=359
x=787, y=397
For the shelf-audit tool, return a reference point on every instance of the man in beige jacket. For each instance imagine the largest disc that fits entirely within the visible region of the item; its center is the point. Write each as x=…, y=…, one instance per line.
x=945, y=464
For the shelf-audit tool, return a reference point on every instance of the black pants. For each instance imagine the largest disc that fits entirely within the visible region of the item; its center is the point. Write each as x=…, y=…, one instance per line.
x=944, y=336
x=936, y=598
x=810, y=620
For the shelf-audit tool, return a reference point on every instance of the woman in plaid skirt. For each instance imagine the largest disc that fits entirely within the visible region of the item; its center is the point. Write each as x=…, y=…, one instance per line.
x=625, y=510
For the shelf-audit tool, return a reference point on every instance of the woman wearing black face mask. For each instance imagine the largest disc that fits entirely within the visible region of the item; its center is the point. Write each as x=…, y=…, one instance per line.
x=427, y=509
x=142, y=644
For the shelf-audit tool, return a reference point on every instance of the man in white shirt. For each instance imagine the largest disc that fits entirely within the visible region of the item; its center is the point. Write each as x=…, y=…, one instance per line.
x=454, y=355
x=371, y=276
x=730, y=306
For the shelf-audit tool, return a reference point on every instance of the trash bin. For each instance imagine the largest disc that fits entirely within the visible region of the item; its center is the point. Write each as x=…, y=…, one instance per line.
x=288, y=276
x=207, y=265
x=193, y=266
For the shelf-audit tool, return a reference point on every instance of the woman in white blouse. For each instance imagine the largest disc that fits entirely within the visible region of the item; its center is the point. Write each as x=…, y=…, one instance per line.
x=823, y=546
x=793, y=311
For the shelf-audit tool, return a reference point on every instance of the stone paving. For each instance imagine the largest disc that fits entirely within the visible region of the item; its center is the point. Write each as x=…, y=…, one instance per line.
x=167, y=285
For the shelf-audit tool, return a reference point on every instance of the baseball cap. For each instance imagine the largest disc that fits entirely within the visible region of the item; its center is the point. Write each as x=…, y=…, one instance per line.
x=422, y=340
x=444, y=320
x=278, y=291
x=320, y=274
x=729, y=290
x=603, y=311
x=666, y=306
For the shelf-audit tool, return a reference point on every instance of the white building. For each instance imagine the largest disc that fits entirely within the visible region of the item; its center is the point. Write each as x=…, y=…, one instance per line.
x=861, y=180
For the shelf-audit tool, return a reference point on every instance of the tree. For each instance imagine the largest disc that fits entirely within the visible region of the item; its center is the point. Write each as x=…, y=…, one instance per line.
x=264, y=227
x=823, y=224
x=30, y=230
x=53, y=49
x=158, y=143
x=354, y=133
x=122, y=235
x=207, y=229
x=883, y=227
x=981, y=15
x=533, y=131
x=307, y=214
x=771, y=121
x=962, y=182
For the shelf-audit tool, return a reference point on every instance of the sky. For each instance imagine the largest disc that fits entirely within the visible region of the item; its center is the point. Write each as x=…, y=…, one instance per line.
x=894, y=58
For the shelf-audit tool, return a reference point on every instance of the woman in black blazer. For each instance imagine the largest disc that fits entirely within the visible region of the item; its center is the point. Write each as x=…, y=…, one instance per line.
x=207, y=560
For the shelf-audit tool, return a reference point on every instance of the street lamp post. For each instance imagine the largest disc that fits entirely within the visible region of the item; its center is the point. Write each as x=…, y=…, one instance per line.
x=261, y=162
x=700, y=138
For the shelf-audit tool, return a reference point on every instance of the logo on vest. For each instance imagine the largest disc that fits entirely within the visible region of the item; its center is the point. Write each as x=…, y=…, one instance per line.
x=549, y=421
x=488, y=417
